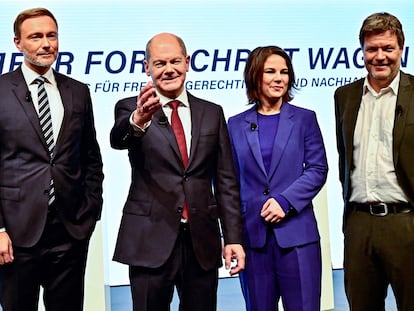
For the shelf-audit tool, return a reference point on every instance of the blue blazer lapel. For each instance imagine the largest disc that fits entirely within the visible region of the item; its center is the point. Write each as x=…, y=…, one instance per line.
x=252, y=137
x=282, y=137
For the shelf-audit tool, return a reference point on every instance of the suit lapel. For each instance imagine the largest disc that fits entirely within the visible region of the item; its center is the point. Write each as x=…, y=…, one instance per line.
x=282, y=137
x=67, y=101
x=21, y=91
x=165, y=129
x=197, y=113
x=350, y=118
x=404, y=99
x=252, y=137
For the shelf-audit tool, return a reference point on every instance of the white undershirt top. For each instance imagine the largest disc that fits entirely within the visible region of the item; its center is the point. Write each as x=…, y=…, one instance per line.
x=53, y=95
x=373, y=178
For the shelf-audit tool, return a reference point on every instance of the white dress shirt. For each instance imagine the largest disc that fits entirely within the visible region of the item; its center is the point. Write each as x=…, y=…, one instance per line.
x=53, y=95
x=184, y=113
x=373, y=178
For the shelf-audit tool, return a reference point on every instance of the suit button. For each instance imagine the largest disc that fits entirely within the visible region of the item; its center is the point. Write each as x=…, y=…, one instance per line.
x=266, y=191
x=185, y=177
x=46, y=192
x=180, y=210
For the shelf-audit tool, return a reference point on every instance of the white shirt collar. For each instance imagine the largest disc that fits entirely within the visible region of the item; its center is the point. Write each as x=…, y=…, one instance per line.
x=183, y=98
x=30, y=75
x=393, y=85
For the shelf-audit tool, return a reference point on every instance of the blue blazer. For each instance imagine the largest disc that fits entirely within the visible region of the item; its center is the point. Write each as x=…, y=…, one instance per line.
x=298, y=171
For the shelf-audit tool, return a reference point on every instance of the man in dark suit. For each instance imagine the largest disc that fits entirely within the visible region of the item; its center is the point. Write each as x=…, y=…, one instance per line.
x=375, y=135
x=50, y=175
x=169, y=233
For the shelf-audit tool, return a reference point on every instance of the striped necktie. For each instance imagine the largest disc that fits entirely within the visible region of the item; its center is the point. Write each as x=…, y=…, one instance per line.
x=45, y=120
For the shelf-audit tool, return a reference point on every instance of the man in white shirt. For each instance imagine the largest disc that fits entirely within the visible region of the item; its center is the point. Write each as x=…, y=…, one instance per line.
x=375, y=140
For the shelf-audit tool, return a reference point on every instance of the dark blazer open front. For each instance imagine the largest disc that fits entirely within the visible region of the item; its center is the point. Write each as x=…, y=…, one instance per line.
x=26, y=167
x=152, y=212
x=347, y=102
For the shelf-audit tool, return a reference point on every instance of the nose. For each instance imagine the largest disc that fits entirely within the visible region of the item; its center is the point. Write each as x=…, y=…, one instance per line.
x=45, y=42
x=380, y=54
x=277, y=76
x=169, y=67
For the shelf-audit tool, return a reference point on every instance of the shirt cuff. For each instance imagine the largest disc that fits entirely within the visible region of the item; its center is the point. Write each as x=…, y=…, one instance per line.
x=284, y=203
x=138, y=131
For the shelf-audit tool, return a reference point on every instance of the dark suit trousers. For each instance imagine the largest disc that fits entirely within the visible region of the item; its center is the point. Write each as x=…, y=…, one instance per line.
x=379, y=251
x=152, y=289
x=57, y=263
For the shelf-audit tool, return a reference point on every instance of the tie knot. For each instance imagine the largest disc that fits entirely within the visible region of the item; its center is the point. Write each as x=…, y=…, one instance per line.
x=174, y=104
x=40, y=80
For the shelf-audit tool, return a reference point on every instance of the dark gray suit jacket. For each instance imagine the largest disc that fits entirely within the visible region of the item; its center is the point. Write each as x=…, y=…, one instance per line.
x=26, y=167
x=347, y=102
x=152, y=212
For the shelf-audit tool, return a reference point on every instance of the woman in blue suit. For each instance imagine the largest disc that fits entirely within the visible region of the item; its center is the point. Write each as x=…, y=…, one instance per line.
x=281, y=165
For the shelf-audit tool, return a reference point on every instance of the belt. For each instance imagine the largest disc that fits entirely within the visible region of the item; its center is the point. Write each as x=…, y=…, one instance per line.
x=382, y=209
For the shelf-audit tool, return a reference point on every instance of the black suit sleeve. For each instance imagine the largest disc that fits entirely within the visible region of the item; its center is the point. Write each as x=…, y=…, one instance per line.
x=122, y=131
x=227, y=188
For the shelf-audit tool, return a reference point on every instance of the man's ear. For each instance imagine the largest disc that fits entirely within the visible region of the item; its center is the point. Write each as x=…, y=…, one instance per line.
x=17, y=43
x=146, y=66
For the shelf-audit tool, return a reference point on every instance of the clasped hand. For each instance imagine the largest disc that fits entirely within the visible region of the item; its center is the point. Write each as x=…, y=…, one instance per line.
x=272, y=211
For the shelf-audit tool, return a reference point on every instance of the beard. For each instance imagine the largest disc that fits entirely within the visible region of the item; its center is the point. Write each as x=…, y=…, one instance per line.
x=37, y=61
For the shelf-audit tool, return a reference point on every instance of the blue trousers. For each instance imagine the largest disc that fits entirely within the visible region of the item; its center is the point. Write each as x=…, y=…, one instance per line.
x=293, y=274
